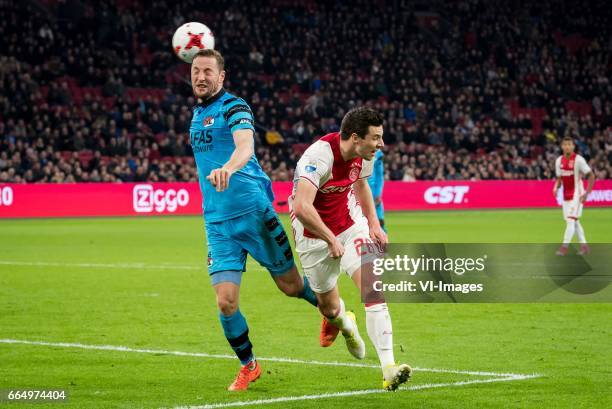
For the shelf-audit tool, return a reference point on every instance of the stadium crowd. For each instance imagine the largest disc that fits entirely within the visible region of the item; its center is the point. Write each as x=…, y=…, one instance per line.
x=470, y=89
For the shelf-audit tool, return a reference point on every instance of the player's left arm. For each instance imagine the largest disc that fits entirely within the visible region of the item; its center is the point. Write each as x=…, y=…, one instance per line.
x=364, y=197
x=589, y=188
x=584, y=168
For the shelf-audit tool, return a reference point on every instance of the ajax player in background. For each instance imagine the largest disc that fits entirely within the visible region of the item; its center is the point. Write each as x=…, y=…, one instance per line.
x=238, y=209
x=570, y=168
x=333, y=215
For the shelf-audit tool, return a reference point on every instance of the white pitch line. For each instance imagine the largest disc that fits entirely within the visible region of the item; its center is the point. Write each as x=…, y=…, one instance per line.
x=225, y=356
x=354, y=393
x=498, y=377
x=103, y=265
x=144, y=266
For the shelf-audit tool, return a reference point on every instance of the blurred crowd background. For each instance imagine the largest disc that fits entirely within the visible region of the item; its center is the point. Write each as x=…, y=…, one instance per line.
x=91, y=91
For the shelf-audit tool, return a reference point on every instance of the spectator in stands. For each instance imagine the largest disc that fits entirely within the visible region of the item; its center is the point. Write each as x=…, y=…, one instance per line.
x=494, y=87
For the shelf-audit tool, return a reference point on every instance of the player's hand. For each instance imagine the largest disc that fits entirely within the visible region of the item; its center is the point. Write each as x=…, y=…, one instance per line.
x=583, y=197
x=555, y=192
x=378, y=235
x=377, y=201
x=336, y=249
x=220, y=178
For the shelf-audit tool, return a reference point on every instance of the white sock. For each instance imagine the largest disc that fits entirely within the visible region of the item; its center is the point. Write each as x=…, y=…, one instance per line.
x=569, y=231
x=344, y=323
x=380, y=331
x=580, y=232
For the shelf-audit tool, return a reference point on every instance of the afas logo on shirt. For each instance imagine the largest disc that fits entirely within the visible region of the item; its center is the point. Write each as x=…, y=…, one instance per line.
x=208, y=121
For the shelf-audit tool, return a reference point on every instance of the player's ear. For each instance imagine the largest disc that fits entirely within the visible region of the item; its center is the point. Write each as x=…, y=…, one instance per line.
x=222, y=76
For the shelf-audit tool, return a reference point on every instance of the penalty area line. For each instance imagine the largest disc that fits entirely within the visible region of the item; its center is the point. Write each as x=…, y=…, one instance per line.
x=354, y=393
x=120, y=348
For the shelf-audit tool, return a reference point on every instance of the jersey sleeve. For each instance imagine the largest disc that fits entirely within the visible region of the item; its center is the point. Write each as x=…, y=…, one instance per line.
x=238, y=115
x=315, y=165
x=558, y=167
x=582, y=165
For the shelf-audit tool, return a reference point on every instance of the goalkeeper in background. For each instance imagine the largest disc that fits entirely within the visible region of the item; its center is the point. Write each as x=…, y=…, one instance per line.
x=376, y=182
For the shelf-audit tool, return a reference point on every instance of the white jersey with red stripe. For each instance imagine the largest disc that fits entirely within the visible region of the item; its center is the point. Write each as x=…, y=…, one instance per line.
x=323, y=166
x=571, y=170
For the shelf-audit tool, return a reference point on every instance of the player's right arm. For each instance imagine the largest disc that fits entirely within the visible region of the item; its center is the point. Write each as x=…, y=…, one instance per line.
x=244, y=141
x=239, y=119
x=304, y=210
x=557, y=184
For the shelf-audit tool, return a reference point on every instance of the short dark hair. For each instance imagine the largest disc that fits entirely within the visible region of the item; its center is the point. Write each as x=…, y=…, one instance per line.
x=567, y=138
x=358, y=120
x=209, y=52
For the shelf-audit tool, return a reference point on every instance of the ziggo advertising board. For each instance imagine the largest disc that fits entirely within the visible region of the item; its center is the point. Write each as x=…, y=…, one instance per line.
x=136, y=199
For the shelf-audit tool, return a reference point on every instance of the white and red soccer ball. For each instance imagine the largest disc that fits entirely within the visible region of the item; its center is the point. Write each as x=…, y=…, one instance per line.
x=190, y=38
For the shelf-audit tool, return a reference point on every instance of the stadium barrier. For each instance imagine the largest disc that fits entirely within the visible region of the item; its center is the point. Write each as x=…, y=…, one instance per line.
x=148, y=199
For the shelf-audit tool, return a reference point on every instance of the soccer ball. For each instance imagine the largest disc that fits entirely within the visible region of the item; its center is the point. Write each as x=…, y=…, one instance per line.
x=190, y=38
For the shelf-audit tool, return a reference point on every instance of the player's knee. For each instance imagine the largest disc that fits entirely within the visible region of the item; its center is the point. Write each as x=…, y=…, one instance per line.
x=290, y=289
x=328, y=309
x=228, y=305
x=329, y=312
x=376, y=307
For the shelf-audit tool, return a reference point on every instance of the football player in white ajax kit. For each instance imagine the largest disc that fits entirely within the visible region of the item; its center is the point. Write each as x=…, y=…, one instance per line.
x=570, y=168
x=333, y=215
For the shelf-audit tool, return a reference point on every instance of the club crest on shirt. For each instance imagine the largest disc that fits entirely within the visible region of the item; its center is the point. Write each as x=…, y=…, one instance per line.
x=354, y=174
x=208, y=121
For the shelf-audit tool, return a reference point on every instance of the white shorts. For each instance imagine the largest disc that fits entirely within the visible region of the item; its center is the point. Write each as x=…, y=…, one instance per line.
x=572, y=209
x=321, y=269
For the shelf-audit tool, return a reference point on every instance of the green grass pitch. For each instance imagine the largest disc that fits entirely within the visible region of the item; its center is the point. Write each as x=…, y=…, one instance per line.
x=142, y=283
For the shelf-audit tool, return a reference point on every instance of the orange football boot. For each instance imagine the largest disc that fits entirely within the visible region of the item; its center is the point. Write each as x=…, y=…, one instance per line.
x=245, y=377
x=328, y=335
